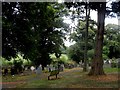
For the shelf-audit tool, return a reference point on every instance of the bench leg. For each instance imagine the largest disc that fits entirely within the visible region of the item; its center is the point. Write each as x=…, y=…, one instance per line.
x=48, y=78
x=56, y=75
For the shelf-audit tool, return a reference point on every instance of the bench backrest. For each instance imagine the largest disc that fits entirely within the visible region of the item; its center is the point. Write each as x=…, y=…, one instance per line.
x=54, y=72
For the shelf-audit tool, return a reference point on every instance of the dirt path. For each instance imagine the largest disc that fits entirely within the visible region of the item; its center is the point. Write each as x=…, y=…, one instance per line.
x=11, y=84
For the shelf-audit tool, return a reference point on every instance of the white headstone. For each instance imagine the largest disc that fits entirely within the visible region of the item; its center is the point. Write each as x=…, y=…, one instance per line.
x=32, y=68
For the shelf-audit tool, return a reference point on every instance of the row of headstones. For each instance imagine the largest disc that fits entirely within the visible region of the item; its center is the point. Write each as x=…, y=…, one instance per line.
x=37, y=70
x=48, y=68
x=11, y=70
x=110, y=63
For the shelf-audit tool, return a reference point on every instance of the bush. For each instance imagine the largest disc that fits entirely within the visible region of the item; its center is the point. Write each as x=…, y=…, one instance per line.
x=113, y=65
x=118, y=64
x=18, y=66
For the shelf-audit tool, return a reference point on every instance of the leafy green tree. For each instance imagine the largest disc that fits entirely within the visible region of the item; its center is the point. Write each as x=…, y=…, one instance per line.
x=18, y=66
x=112, y=40
x=62, y=59
x=34, y=29
x=90, y=54
x=78, y=36
x=75, y=53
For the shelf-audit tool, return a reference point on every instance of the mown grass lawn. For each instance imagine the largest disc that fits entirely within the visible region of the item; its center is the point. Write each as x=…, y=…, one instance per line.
x=111, y=70
x=15, y=78
x=76, y=79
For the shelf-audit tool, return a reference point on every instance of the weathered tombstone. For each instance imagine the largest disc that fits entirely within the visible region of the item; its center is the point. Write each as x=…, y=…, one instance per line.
x=80, y=63
x=23, y=68
x=51, y=67
x=39, y=69
x=48, y=68
x=107, y=63
x=61, y=67
x=26, y=68
x=45, y=69
x=69, y=66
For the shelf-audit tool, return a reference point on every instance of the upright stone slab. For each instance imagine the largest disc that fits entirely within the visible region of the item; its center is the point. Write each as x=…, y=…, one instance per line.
x=48, y=68
x=39, y=70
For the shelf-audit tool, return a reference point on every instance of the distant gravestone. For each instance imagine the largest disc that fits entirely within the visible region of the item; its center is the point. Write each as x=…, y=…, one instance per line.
x=39, y=70
x=26, y=68
x=61, y=67
x=32, y=68
x=107, y=64
x=80, y=64
x=118, y=62
x=45, y=69
x=23, y=68
x=48, y=68
x=51, y=68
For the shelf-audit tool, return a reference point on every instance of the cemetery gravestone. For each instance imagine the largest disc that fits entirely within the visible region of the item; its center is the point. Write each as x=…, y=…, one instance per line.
x=39, y=70
x=51, y=68
x=48, y=68
x=61, y=68
x=26, y=68
x=32, y=68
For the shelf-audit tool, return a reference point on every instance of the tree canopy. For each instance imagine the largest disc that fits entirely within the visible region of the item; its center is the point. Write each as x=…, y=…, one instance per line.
x=34, y=29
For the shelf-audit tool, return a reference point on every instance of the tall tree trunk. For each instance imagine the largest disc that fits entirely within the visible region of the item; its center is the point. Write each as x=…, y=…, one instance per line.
x=86, y=36
x=97, y=63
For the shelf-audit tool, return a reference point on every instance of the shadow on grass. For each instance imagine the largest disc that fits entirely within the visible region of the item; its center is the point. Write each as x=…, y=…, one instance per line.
x=55, y=78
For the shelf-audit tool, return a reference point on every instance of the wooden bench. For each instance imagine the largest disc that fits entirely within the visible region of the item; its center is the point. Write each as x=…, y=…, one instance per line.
x=52, y=73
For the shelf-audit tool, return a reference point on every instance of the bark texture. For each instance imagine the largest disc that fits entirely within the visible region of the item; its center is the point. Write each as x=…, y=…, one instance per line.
x=86, y=37
x=97, y=63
